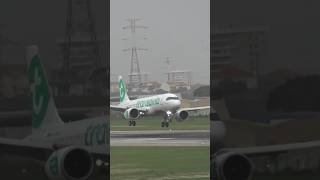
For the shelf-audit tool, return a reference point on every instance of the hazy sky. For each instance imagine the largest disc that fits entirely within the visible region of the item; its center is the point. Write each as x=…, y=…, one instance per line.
x=293, y=35
x=176, y=28
x=43, y=23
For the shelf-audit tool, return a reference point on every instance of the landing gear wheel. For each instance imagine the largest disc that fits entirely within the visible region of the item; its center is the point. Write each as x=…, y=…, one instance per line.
x=130, y=123
x=162, y=124
x=167, y=124
x=134, y=123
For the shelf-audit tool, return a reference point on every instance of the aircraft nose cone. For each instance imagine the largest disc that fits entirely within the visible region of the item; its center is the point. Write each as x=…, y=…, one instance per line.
x=178, y=103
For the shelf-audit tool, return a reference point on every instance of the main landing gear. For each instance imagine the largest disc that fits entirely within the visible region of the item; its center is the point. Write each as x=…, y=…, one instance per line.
x=166, y=119
x=164, y=124
x=132, y=123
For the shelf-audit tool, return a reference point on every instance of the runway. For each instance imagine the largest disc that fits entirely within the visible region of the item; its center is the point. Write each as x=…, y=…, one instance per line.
x=160, y=138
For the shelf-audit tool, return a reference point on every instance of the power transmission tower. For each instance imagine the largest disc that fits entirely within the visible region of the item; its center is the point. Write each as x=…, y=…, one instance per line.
x=80, y=48
x=4, y=41
x=168, y=62
x=135, y=79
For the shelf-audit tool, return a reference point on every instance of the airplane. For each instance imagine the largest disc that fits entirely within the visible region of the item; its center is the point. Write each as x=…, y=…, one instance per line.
x=238, y=163
x=70, y=151
x=166, y=104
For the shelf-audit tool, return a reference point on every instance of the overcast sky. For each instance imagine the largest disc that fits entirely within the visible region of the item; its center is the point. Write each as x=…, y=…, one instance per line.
x=42, y=22
x=293, y=35
x=176, y=28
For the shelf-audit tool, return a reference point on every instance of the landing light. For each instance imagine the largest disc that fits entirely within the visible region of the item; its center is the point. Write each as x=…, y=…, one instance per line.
x=99, y=162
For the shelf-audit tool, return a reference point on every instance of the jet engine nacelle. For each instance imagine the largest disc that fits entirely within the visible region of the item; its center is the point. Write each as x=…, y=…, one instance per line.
x=131, y=113
x=231, y=166
x=69, y=163
x=181, y=115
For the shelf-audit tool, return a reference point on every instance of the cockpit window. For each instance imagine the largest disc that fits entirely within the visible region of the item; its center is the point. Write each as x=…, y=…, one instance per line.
x=172, y=98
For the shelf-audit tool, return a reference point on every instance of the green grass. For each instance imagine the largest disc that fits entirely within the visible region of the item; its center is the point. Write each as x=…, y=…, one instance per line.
x=154, y=123
x=144, y=163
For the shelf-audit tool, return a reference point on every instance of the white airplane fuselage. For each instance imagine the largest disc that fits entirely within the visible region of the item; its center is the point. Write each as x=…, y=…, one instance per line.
x=91, y=132
x=155, y=104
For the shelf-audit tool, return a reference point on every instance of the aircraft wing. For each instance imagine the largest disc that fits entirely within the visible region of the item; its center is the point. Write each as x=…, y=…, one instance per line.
x=195, y=108
x=274, y=149
x=26, y=149
x=42, y=151
x=118, y=108
x=123, y=108
x=262, y=159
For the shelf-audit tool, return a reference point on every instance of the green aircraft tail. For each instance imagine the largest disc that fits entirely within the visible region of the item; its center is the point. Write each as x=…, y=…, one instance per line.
x=123, y=91
x=44, y=111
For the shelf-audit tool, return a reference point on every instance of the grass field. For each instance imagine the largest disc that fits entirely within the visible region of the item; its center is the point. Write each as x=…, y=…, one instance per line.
x=154, y=123
x=157, y=163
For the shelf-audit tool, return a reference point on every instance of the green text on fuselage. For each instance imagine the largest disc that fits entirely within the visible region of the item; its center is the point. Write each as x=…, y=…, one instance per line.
x=147, y=102
x=96, y=134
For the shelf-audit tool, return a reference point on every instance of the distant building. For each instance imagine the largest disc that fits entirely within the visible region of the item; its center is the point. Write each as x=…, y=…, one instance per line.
x=137, y=83
x=179, y=80
x=13, y=80
x=145, y=87
x=236, y=74
x=114, y=87
x=241, y=48
x=278, y=77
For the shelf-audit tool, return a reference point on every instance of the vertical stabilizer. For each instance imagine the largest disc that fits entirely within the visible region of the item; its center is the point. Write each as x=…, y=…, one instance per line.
x=123, y=91
x=44, y=111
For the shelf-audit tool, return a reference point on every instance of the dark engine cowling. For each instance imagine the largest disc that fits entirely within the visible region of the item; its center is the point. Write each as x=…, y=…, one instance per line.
x=69, y=163
x=181, y=115
x=131, y=113
x=231, y=166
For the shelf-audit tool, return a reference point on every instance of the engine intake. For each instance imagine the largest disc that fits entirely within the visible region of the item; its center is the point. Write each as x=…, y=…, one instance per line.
x=69, y=163
x=181, y=115
x=231, y=166
x=131, y=113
